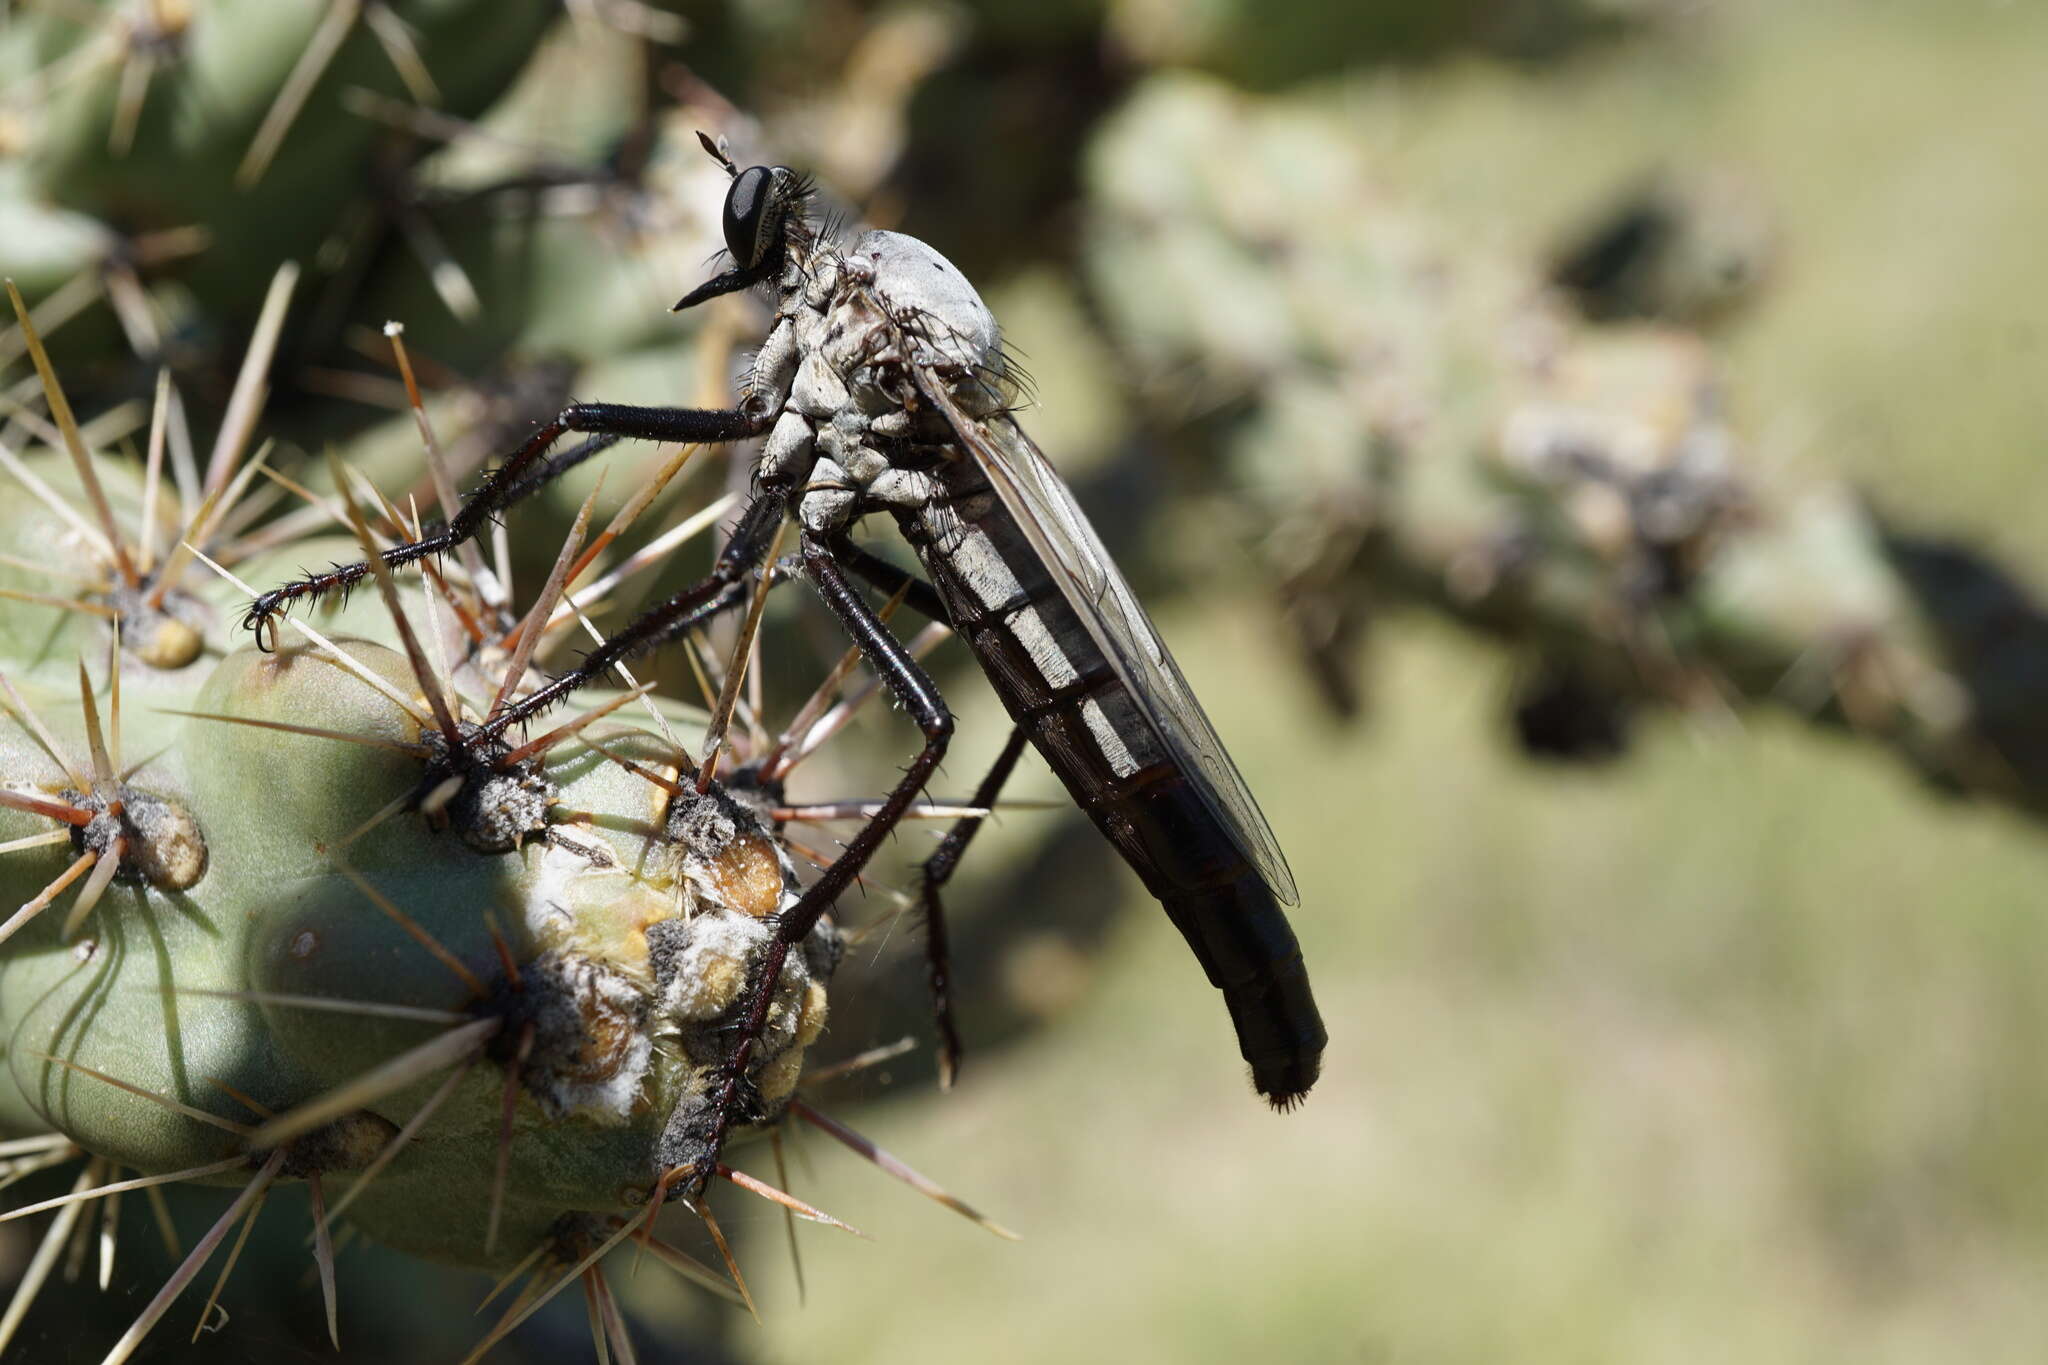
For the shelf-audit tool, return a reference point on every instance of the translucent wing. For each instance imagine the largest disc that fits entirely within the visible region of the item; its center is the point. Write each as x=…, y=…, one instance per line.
x=1074, y=555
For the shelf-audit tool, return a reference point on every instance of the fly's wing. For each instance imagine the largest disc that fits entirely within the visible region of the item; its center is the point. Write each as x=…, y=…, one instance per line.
x=1074, y=555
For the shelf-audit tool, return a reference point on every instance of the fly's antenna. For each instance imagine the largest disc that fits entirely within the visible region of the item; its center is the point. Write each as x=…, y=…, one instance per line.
x=717, y=151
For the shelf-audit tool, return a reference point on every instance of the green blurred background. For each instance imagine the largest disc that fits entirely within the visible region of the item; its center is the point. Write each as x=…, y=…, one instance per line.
x=1724, y=1051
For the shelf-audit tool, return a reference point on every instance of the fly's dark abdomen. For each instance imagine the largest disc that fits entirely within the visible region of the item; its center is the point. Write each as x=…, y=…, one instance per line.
x=1242, y=939
x=1230, y=919
x=1056, y=683
x=1222, y=907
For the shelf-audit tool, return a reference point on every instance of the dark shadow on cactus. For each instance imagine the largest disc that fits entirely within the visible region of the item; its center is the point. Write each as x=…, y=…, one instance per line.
x=1040, y=106
x=1993, y=635
x=1271, y=46
x=1562, y=714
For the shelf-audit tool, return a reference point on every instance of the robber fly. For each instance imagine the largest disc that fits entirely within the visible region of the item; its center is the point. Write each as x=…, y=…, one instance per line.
x=882, y=387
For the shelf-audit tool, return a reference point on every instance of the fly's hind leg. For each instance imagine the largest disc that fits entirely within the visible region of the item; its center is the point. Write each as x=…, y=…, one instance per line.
x=938, y=869
x=690, y=1149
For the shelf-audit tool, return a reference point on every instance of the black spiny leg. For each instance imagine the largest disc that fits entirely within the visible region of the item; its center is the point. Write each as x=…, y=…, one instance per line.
x=720, y=590
x=695, y=1159
x=508, y=483
x=920, y=596
x=938, y=870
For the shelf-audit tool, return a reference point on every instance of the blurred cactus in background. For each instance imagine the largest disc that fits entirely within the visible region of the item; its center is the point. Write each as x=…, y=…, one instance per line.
x=205, y=142
x=1422, y=420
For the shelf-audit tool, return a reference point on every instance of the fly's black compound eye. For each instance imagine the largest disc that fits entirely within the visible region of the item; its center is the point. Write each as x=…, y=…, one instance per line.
x=755, y=208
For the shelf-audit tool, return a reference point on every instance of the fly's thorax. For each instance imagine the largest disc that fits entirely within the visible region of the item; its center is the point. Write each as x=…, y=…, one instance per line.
x=766, y=386
x=926, y=295
x=803, y=295
x=868, y=316
x=819, y=391
x=901, y=303
x=855, y=334
x=830, y=499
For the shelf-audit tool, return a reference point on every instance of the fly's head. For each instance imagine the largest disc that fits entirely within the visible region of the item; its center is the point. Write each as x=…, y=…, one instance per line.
x=761, y=208
x=765, y=219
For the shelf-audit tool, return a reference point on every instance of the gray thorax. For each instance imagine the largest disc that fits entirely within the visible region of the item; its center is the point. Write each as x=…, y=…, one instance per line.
x=849, y=324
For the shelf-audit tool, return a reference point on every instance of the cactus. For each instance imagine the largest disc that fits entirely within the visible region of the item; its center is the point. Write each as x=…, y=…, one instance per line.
x=161, y=161
x=177, y=142
x=478, y=1019
x=239, y=944
x=1452, y=434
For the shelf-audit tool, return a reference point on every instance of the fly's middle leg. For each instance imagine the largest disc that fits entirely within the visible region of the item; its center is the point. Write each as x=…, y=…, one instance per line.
x=920, y=596
x=936, y=872
x=718, y=591
x=938, y=869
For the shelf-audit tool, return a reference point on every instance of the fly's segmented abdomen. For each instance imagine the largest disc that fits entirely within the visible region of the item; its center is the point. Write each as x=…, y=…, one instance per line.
x=1055, y=682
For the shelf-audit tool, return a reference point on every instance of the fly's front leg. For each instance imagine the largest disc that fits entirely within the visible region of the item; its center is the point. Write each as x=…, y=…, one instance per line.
x=937, y=871
x=693, y=1155
x=509, y=482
